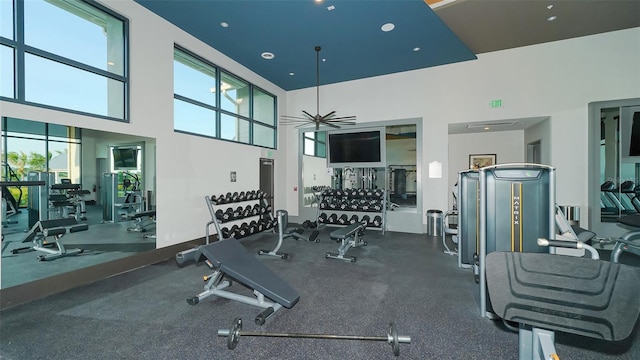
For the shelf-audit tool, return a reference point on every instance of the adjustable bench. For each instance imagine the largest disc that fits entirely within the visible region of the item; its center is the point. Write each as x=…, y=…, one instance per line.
x=143, y=220
x=232, y=261
x=55, y=228
x=547, y=293
x=349, y=236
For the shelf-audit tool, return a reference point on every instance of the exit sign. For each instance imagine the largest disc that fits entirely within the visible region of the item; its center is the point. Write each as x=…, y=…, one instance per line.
x=495, y=103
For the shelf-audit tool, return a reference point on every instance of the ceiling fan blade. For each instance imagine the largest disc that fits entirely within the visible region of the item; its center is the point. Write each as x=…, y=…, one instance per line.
x=286, y=117
x=309, y=115
x=330, y=124
x=330, y=115
x=348, y=118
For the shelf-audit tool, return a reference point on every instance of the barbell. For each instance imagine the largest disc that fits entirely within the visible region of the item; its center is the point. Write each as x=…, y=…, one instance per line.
x=233, y=336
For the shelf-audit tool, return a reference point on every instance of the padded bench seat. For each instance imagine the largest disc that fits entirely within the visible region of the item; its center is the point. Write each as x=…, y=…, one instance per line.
x=232, y=258
x=347, y=231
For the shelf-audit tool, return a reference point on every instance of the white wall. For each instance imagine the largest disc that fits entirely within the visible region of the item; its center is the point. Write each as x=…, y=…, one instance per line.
x=540, y=132
x=507, y=145
x=554, y=79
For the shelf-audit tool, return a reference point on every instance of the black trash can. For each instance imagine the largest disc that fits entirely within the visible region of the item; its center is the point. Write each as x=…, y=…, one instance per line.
x=434, y=222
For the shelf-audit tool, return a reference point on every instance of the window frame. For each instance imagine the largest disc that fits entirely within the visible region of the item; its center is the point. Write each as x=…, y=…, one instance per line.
x=20, y=49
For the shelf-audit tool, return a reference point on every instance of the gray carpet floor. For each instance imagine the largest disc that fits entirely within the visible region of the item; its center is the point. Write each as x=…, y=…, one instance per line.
x=404, y=278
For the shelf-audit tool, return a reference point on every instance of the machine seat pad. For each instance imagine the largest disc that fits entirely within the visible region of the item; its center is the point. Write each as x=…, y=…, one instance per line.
x=631, y=220
x=592, y=298
x=143, y=214
x=347, y=231
x=233, y=259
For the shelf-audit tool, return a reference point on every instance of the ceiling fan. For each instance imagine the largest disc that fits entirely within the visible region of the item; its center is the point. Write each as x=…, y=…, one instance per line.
x=329, y=119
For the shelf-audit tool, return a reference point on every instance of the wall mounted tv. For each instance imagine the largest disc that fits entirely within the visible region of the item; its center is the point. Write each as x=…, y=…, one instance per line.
x=125, y=158
x=360, y=148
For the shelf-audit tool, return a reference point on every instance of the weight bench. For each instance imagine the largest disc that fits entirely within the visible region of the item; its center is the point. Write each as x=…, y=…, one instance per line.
x=231, y=261
x=55, y=228
x=349, y=236
x=545, y=293
x=284, y=232
x=143, y=220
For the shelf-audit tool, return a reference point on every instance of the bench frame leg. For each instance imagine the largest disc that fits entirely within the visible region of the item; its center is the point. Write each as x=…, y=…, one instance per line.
x=216, y=285
x=536, y=343
x=351, y=242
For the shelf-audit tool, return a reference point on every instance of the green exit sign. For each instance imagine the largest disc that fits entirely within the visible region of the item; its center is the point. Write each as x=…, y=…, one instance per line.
x=495, y=103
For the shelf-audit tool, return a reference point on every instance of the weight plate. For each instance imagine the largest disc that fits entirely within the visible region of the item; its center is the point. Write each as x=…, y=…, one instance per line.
x=234, y=335
x=393, y=338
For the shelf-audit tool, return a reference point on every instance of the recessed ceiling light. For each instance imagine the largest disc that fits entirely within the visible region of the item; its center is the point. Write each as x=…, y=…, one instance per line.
x=551, y=18
x=387, y=27
x=486, y=128
x=331, y=7
x=550, y=6
x=267, y=55
x=416, y=49
x=323, y=59
x=224, y=24
x=291, y=74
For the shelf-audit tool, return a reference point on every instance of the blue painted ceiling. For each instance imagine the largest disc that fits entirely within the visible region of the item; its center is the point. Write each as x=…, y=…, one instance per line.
x=353, y=44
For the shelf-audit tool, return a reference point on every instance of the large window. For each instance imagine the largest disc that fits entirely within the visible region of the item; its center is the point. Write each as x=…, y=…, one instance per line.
x=65, y=54
x=315, y=144
x=209, y=101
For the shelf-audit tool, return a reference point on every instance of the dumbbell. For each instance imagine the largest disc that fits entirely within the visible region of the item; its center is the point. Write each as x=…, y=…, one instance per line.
x=243, y=231
x=213, y=199
x=333, y=219
x=242, y=196
x=228, y=215
x=220, y=200
x=219, y=215
x=314, y=224
x=273, y=223
x=364, y=206
x=343, y=219
x=353, y=219
x=246, y=212
x=377, y=206
x=233, y=232
x=253, y=227
x=366, y=219
x=237, y=213
x=377, y=221
x=255, y=210
x=344, y=204
x=235, y=197
x=322, y=218
x=306, y=224
x=225, y=233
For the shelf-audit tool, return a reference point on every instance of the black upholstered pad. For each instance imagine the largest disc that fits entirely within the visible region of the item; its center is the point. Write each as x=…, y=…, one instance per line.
x=581, y=296
x=234, y=260
x=631, y=220
x=346, y=231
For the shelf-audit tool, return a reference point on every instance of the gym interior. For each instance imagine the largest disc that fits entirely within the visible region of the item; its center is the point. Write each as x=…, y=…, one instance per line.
x=138, y=206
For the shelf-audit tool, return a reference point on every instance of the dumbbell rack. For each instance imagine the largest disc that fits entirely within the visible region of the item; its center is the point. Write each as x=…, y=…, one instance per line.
x=260, y=212
x=348, y=206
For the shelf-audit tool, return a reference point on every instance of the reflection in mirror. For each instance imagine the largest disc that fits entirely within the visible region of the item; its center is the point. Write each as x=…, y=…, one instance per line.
x=619, y=162
x=58, y=223
x=314, y=166
x=402, y=165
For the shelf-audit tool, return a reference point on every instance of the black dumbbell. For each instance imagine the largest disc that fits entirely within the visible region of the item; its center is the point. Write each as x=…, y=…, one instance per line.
x=243, y=231
x=322, y=218
x=225, y=233
x=333, y=219
x=343, y=219
x=220, y=200
x=220, y=215
x=366, y=219
x=314, y=224
x=306, y=224
x=353, y=219
x=255, y=210
x=233, y=232
x=253, y=227
x=237, y=213
x=213, y=199
x=246, y=212
x=242, y=196
x=377, y=221
x=228, y=215
x=344, y=204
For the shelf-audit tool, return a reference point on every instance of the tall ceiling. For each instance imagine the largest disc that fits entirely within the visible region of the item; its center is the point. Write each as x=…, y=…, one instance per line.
x=354, y=45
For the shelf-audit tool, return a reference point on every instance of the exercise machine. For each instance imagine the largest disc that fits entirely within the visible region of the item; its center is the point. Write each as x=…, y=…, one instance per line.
x=45, y=237
x=231, y=262
x=142, y=222
x=284, y=232
x=349, y=237
x=545, y=293
x=517, y=206
x=468, y=203
x=628, y=242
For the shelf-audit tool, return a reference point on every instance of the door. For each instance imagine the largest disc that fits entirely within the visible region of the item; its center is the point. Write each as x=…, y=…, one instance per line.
x=266, y=179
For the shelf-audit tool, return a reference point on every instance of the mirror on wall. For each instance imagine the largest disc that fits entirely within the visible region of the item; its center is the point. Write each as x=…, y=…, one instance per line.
x=399, y=178
x=619, y=150
x=92, y=193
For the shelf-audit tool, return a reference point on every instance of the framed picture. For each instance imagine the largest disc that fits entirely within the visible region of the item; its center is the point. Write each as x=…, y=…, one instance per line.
x=476, y=161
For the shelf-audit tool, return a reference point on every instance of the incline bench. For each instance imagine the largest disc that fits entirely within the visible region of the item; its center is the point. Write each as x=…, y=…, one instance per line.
x=547, y=293
x=57, y=229
x=232, y=261
x=349, y=236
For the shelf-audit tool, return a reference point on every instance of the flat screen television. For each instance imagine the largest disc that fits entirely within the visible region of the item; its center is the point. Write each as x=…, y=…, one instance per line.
x=125, y=158
x=356, y=148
